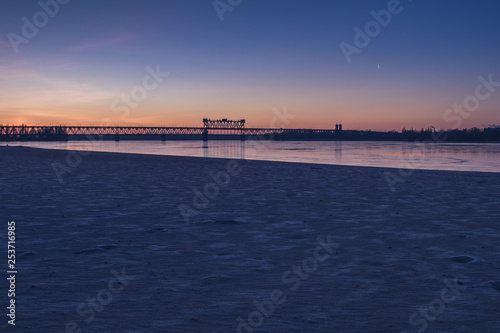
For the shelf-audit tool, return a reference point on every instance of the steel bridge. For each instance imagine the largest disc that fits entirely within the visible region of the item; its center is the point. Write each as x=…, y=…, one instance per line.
x=224, y=123
x=213, y=127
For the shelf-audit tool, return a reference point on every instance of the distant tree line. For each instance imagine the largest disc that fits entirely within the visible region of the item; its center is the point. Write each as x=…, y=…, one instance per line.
x=475, y=134
x=491, y=134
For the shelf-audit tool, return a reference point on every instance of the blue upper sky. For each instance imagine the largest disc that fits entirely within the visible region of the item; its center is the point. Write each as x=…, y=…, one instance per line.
x=263, y=55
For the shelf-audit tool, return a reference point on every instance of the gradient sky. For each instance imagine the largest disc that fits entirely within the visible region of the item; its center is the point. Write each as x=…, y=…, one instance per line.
x=264, y=55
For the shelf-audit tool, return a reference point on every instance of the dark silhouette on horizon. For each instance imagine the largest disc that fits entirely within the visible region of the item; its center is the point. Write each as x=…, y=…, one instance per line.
x=235, y=130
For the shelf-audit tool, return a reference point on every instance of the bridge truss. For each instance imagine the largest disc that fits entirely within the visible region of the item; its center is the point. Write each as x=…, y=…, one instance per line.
x=216, y=127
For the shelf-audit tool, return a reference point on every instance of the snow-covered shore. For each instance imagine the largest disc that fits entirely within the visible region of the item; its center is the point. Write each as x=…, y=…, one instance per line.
x=144, y=243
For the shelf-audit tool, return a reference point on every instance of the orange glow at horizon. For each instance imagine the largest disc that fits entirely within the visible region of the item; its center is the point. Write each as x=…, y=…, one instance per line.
x=57, y=101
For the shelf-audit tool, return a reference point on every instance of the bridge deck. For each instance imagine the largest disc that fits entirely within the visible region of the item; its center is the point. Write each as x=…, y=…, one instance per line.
x=16, y=131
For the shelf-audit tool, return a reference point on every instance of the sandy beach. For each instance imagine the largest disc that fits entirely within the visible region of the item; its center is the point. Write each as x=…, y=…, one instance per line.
x=143, y=243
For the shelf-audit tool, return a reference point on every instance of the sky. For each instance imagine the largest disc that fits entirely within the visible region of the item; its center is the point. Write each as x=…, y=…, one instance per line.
x=175, y=62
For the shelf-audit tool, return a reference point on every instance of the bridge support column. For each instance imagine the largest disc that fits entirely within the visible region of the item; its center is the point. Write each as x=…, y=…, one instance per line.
x=242, y=136
x=205, y=135
x=117, y=137
x=163, y=137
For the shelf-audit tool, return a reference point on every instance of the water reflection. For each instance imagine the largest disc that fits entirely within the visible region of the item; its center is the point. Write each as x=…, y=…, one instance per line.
x=439, y=156
x=205, y=149
x=338, y=151
x=224, y=149
x=242, y=149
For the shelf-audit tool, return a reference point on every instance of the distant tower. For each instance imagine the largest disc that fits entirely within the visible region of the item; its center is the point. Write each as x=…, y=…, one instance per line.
x=336, y=127
x=340, y=127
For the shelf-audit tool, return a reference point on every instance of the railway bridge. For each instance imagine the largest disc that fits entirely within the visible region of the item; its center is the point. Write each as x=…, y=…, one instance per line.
x=210, y=127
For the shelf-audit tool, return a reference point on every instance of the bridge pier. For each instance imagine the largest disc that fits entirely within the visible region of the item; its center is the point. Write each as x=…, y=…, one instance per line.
x=227, y=127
